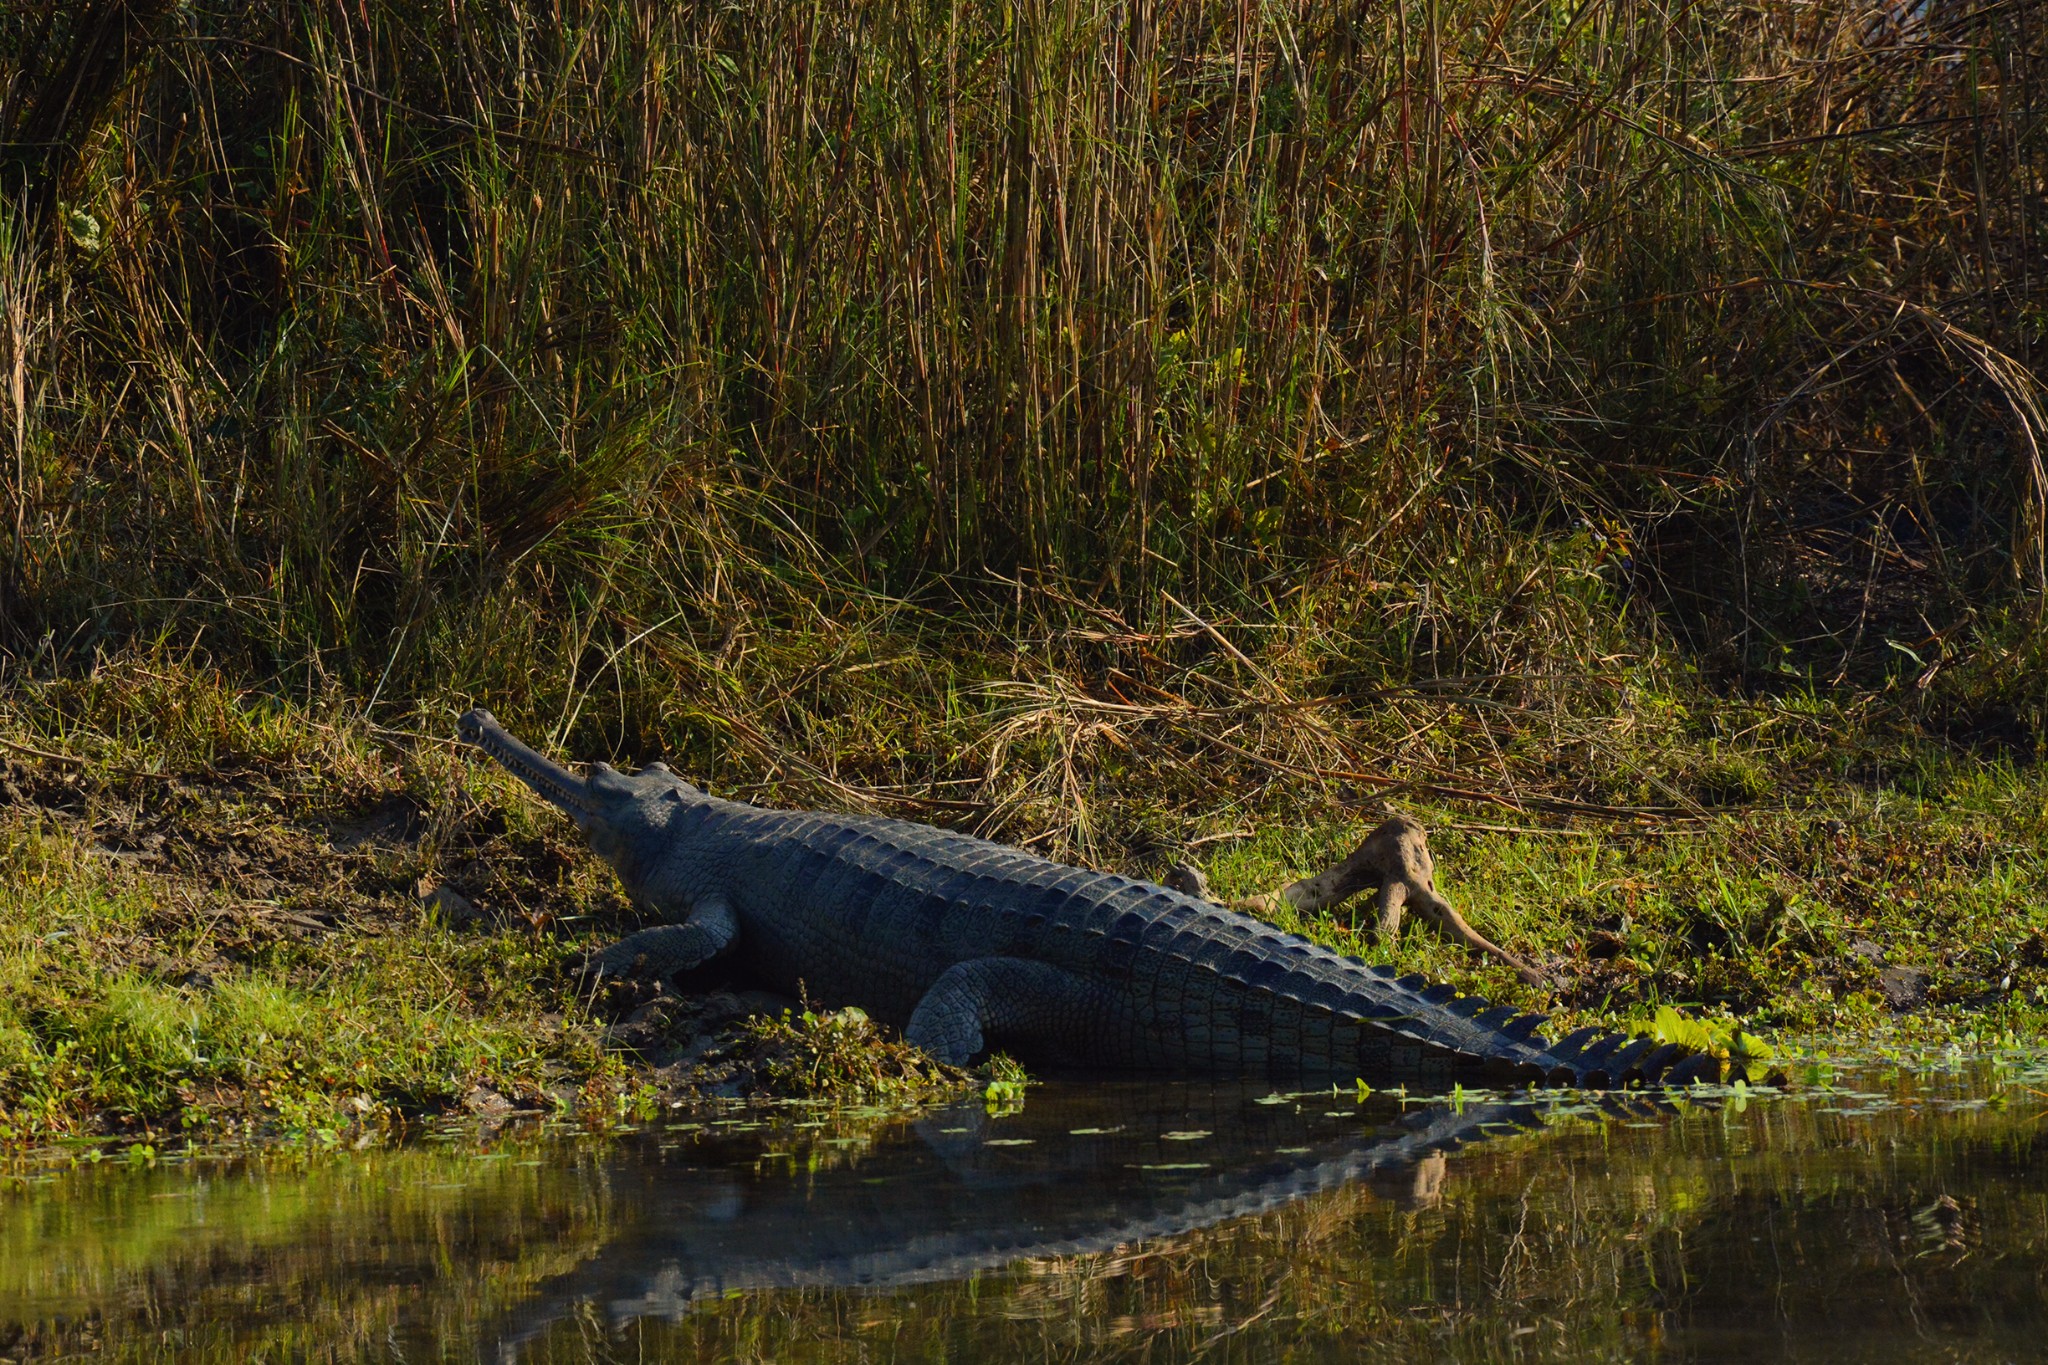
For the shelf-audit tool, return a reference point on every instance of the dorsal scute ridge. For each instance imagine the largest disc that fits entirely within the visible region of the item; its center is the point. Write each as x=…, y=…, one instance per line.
x=1251, y=954
x=1573, y=1043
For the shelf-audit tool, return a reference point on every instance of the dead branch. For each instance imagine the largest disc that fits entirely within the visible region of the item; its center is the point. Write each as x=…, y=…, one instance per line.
x=1394, y=859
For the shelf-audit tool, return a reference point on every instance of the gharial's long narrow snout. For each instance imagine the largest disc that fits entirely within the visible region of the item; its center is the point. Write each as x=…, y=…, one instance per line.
x=554, y=782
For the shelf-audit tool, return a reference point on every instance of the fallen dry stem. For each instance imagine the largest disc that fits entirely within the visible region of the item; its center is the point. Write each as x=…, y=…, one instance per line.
x=77, y=761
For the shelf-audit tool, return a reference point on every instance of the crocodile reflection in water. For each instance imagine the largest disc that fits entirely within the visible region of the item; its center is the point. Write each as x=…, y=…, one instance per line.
x=955, y=1193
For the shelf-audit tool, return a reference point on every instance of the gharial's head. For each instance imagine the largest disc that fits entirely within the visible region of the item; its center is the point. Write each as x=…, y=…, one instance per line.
x=611, y=808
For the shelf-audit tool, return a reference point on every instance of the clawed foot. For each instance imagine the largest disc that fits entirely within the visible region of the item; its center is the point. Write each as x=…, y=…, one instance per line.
x=616, y=963
x=665, y=949
x=645, y=956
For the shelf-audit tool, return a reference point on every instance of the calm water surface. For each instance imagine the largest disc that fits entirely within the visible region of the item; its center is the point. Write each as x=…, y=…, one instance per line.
x=1885, y=1217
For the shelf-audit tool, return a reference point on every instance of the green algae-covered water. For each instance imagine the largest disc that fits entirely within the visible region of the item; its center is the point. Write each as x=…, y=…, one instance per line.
x=1883, y=1216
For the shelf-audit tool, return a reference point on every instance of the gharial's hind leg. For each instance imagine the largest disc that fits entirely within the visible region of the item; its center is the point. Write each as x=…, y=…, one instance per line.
x=1006, y=999
x=667, y=949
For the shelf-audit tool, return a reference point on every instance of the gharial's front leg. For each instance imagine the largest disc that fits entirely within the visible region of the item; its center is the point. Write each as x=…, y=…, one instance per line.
x=667, y=949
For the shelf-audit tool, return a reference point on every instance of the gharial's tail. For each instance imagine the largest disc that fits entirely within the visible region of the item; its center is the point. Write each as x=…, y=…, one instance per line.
x=550, y=779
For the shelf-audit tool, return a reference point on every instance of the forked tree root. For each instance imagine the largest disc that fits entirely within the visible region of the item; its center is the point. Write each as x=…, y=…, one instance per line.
x=1394, y=859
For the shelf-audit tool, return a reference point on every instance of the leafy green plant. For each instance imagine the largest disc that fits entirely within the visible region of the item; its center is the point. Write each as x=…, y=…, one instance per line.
x=1745, y=1053
x=840, y=1055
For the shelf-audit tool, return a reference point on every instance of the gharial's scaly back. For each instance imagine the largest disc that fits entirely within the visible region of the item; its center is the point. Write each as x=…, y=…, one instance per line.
x=965, y=941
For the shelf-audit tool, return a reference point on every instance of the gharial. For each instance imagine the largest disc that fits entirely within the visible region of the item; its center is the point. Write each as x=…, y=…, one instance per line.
x=970, y=946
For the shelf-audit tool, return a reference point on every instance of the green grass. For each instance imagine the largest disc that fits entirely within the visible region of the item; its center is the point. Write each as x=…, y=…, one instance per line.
x=1752, y=914
x=841, y=1055
x=106, y=1026
x=181, y=943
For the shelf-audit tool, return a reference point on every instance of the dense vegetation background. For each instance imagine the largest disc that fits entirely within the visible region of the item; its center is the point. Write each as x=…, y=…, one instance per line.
x=643, y=368
x=1610, y=430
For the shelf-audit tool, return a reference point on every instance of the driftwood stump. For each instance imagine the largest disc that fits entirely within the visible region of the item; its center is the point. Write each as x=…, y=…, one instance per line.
x=1394, y=859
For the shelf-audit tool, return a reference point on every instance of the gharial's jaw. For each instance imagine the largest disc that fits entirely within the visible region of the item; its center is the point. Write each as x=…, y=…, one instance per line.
x=550, y=779
x=617, y=813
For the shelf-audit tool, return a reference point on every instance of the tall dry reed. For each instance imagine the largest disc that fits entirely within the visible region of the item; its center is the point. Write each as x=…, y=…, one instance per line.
x=565, y=348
